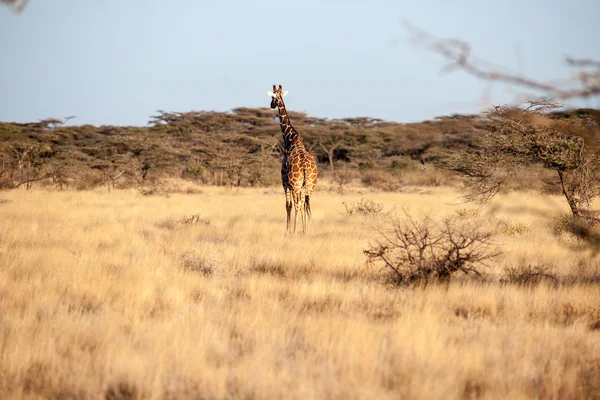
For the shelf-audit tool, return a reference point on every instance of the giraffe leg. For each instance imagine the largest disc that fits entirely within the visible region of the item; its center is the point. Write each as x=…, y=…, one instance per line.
x=304, y=216
x=288, y=209
x=298, y=206
x=302, y=210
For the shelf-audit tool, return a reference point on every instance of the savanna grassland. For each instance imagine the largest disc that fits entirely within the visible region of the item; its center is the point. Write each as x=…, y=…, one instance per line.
x=199, y=295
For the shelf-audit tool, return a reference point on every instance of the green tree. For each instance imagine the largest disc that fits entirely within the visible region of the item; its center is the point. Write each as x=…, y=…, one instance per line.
x=521, y=136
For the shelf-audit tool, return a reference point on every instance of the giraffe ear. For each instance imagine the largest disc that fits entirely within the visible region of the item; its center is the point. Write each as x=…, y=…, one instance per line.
x=270, y=94
x=284, y=94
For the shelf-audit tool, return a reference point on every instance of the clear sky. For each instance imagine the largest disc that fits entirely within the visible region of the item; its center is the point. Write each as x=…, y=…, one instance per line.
x=116, y=62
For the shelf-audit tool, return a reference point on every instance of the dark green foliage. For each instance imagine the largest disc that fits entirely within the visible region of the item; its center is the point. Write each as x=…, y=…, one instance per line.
x=517, y=138
x=237, y=148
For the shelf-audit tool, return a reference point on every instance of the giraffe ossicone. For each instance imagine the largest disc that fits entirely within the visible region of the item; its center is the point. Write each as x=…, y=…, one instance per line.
x=298, y=168
x=271, y=94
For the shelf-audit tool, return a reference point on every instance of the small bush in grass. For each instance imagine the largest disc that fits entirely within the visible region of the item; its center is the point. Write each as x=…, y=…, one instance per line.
x=172, y=223
x=364, y=207
x=152, y=190
x=515, y=229
x=466, y=212
x=122, y=390
x=342, y=178
x=88, y=181
x=585, y=231
x=529, y=275
x=204, y=261
x=381, y=180
x=418, y=250
x=194, y=219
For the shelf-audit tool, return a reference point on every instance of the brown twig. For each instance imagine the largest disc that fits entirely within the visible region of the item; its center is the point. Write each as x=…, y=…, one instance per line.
x=458, y=54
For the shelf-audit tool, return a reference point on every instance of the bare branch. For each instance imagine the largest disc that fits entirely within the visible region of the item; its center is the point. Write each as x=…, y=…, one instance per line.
x=34, y=179
x=418, y=250
x=15, y=5
x=458, y=54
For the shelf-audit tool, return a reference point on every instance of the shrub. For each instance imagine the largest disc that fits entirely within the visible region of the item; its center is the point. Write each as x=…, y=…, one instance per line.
x=584, y=230
x=467, y=212
x=194, y=219
x=88, y=181
x=152, y=190
x=122, y=390
x=405, y=163
x=193, y=190
x=381, y=180
x=529, y=275
x=203, y=261
x=5, y=183
x=171, y=223
x=527, y=136
x=515, y=229
x=343, y=178
x=419, y=250
x=364, y=207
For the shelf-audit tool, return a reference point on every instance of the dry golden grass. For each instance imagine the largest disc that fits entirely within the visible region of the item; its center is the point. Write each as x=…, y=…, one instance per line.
x=110, y=295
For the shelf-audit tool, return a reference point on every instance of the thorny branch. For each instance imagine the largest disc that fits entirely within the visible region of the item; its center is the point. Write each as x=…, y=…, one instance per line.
x=15, y=5
x=417, y=250
x=584, y=84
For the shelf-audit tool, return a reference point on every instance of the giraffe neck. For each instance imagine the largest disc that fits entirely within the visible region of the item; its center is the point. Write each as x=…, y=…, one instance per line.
x=290, y=136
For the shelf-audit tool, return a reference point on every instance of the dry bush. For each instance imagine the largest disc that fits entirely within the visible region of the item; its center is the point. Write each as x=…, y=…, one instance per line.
x=529, y=275
x=172, y=223
x=168, y=224
x=467, y=212
x=381, y=180
x=342, y=178
x=417, y=250
x=405, y=164
x=513, y=229
x=194, y=219
x=364, y=207
x=5, y=183
x=153, y=190
x=122, y=390
x=202, y=261
x=88, y=180
x=584, y=231
x=429, y=176
x=192, y=190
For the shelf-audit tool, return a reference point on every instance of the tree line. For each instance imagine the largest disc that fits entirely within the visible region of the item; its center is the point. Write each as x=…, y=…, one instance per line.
x=239, y=148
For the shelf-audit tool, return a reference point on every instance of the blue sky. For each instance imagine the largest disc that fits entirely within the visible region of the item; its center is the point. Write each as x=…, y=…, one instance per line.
x=116, y=62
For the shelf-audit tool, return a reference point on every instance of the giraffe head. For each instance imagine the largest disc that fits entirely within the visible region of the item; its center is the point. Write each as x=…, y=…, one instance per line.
x=276, y=95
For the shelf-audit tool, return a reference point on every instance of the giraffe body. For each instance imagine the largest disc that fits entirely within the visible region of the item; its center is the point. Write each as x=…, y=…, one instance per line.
x=298, y=168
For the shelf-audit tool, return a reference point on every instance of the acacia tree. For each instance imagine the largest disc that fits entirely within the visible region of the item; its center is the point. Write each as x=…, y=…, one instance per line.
x=329, y=145
x=518, y=136
x=26, y=164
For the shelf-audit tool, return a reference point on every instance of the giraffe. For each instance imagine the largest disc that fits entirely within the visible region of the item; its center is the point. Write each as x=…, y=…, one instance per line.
x=298, y=167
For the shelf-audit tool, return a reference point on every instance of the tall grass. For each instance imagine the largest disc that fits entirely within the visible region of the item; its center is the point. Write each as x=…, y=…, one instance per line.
x=119, y=295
